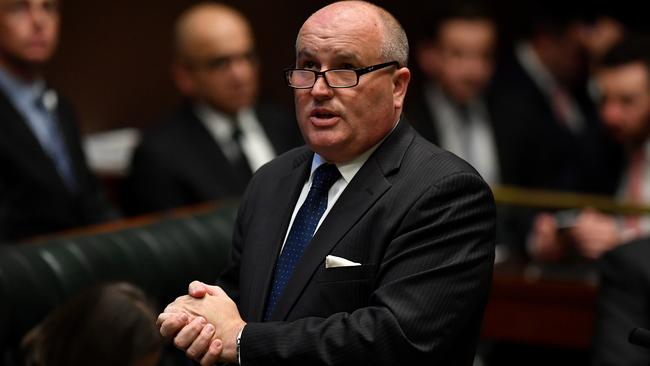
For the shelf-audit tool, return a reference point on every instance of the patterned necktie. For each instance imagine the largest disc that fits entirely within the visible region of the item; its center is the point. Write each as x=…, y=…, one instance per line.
x=301, y=232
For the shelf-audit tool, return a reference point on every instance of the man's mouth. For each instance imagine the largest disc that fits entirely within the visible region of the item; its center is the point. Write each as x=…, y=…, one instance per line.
x=321, y=117
x=323, y=114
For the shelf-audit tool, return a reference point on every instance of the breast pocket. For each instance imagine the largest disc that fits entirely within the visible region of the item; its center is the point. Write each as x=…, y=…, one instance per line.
x=351, y=273
x=345, y=289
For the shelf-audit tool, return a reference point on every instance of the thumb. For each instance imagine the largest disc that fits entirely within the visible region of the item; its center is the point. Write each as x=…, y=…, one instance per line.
x=198, y=289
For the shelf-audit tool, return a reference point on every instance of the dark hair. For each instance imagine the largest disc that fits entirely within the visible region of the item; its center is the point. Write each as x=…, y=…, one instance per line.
x=110, y=324
x=549, y=17
x=630, y=50
x=430, y=22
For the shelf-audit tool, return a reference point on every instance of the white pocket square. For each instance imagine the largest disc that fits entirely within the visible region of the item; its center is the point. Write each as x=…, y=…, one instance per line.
x=332, y=261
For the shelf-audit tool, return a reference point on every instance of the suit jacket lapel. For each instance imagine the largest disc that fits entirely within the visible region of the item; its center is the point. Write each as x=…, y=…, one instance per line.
x=29, y=150
x=362, y=192
x=288, y=189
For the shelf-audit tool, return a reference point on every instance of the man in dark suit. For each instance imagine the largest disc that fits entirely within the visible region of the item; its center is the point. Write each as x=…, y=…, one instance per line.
x=623, y=304
x=45, y=184
x=456, y=56
x=368, y=246
x=623, y=79
x=210, y=147
x=553, y=137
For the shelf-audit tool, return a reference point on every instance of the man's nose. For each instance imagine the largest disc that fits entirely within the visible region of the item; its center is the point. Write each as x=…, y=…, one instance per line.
x=321, y=89
x=241, y=67
x=37, y=15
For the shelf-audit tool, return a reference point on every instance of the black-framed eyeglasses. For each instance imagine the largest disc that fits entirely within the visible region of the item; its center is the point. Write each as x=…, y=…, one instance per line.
x=334, y=78
x=221, y=63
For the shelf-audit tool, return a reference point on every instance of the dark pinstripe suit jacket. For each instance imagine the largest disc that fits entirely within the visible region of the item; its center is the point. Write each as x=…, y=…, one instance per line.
x=422, y=223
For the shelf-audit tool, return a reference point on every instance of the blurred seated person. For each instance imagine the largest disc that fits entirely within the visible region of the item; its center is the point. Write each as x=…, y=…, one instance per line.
x=624, y=85
x=456, y=56
x=111, y=324
x=623, y=304
x=45, y=184
x=554, y=138
x=209, y=148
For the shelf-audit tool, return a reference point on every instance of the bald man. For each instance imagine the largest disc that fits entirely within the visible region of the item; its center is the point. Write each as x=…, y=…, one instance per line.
x=209, y=148
x=369, y=246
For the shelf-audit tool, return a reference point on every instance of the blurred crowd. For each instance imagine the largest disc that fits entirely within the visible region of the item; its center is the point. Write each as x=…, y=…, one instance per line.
x=565, y=109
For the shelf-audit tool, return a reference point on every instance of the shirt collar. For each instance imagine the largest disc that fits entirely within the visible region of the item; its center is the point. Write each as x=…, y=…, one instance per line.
x=20, y=91
x=219, y=122
x=535, y=68
x=350, y=168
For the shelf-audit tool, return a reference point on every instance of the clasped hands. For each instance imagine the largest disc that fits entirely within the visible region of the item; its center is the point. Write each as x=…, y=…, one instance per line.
x=205, y=324
x=592, y=234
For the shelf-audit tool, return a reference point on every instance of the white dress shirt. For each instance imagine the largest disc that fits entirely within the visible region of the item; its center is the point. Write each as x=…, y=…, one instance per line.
x=255, y=145
x=470, y=137
x=348, y=170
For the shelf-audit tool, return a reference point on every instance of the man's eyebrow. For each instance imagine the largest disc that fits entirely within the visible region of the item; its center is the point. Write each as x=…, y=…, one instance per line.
x=347, y=56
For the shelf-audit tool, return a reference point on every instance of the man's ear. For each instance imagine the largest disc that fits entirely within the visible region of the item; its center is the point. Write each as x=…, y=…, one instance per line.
x=401, y=80
x=183, y=78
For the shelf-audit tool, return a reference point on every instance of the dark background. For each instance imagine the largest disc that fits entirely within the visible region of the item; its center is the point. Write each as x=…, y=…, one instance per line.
x=113, y=59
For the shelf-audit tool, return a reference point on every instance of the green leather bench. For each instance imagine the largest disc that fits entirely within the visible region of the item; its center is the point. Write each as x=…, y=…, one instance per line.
x=161, y=257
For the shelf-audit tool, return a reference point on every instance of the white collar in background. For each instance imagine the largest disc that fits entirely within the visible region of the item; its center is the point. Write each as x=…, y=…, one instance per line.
x=256, y=146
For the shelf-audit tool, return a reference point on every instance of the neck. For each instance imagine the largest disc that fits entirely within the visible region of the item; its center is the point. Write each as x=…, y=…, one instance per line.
x=25, y=72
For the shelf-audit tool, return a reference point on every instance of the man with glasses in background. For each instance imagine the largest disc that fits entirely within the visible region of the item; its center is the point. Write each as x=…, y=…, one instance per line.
x=209, y=148
x=369, y=245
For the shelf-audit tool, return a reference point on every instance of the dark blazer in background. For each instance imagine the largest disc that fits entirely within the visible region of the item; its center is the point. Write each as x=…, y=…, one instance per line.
x=540, y=152
x=623, y=304
x=33, y=196
x=421, y=116
x=179, y=162
x=420, y=221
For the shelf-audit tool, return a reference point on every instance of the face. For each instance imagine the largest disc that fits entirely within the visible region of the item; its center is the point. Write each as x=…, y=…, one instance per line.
x=28, y=31
x=461, y=61
x=341, y=123
x=220, y=67
x=625, y=104
x=565, y=54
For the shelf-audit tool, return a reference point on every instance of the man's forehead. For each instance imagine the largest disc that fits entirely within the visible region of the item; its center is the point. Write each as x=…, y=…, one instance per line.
x=339, y=54
x=5, y=2
x=347, y=42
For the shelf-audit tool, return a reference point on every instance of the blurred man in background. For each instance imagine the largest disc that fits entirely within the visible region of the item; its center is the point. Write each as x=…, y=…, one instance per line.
x=456, y=55
x=623, y=79
x=45, y=184
x=209, y=148
x=555, y=139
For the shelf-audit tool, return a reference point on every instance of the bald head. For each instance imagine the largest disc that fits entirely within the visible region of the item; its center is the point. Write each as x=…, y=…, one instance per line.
x=215, y=59
x=210, y=23
x=340, y=123
x=392, y=43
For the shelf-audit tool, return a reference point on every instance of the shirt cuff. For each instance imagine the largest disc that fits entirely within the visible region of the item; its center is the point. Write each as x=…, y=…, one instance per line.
x=239, y=344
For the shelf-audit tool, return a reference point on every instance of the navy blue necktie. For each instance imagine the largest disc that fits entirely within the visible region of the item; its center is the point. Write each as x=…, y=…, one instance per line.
x=301, y=232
